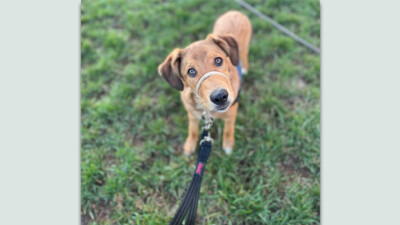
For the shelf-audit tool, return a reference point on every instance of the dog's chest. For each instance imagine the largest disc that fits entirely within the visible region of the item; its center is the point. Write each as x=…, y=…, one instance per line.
x=192, y=103
x=198, y=106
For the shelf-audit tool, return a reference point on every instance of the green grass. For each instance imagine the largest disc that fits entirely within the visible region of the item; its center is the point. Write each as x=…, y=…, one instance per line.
x=133, y=123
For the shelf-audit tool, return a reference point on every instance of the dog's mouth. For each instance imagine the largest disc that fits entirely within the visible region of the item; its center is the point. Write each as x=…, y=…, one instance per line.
x=223, y=108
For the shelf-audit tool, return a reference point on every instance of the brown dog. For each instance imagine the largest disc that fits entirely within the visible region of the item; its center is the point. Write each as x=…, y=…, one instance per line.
x=189, y=70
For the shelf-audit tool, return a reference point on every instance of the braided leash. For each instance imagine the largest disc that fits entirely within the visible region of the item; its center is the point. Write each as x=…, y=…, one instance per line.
x=188, y=206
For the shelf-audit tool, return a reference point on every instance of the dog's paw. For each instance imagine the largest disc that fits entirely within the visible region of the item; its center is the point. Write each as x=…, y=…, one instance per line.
x=189, y=147
x=228, y=151
x=228, y=144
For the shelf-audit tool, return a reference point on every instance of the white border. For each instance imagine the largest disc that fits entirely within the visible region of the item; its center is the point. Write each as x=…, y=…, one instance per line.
x=360, y=112
x=40, y=112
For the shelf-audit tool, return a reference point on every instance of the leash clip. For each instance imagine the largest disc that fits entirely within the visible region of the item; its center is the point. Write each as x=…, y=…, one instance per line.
x=208, y=120
x=207, y=126
x=208, y=139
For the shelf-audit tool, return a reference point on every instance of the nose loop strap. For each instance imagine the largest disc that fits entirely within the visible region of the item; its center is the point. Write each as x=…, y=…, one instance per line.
x=207, y=75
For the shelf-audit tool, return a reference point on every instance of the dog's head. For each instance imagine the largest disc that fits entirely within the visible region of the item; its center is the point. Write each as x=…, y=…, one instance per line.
x=184, y=68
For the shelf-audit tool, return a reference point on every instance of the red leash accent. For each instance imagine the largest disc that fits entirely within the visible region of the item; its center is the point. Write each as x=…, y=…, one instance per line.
x=199, y=167
x=188, y=206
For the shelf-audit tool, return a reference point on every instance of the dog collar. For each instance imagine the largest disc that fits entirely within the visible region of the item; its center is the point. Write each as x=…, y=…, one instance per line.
x=207, y=75
x=239, y=70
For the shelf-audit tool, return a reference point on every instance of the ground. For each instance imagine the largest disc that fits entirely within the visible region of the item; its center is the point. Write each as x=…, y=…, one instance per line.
x=133, y=123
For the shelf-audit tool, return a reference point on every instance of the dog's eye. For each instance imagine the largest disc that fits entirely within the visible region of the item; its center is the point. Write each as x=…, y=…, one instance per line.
x=191, y=72
x=218, y=61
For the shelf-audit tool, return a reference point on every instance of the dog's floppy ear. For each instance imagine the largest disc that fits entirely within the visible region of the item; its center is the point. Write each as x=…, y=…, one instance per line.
x=228, y=44
x=169, y=69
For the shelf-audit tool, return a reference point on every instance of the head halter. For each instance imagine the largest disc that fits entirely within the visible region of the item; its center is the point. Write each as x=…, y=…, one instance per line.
x=207, y=75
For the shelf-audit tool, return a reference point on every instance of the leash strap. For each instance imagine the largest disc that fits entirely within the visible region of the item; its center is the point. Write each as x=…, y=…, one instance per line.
x=188, y=206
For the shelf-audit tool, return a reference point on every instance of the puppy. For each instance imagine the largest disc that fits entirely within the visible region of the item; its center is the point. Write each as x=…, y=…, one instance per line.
x=207, y=74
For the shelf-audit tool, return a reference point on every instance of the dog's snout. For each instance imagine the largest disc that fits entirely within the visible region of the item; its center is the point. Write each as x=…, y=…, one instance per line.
x=219, y=97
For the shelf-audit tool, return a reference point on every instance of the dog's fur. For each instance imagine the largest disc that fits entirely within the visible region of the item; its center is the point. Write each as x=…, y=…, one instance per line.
x=230, y=40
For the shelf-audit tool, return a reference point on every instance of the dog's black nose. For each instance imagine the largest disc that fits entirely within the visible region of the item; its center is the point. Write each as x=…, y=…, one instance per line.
x=219, y=97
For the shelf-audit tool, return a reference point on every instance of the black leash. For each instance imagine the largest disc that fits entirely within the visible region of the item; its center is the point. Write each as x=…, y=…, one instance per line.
x=188, y=206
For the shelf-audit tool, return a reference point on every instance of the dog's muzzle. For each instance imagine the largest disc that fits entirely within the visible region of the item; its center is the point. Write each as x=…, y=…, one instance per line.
x=207, y=75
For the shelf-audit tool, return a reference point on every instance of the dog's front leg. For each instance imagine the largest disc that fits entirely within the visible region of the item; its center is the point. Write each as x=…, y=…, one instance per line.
x=193, y=135
x=229, y=130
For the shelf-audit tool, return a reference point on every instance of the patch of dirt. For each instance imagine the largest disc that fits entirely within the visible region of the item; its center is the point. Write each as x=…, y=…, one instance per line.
x=134, y=139
x=297, y=83
x=300, y=83
x=294, y=102
x=110, y=159
x=102, y=212
x=288, y=167
x=85, y=219
x=158, y=199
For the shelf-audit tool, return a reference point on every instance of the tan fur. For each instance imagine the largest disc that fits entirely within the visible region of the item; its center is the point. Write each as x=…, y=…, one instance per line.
x=230, y=41
x=242, y=33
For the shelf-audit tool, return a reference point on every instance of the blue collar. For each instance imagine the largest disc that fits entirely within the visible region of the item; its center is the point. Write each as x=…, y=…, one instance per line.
x=239, y=69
